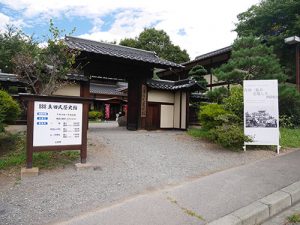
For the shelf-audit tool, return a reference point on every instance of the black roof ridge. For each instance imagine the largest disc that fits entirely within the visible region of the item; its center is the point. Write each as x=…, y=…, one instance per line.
x=174, y=83
x=212, y=53
x=220, y=50
x=99, y=84
x=121, y=46
x=8, y=74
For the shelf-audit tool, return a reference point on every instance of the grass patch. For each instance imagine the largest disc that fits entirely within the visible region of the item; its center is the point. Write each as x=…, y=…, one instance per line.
x=295, y=218
x=12, y=154
x=290, y=138
x=199, y=133
x=185, y=210
x=192, y=213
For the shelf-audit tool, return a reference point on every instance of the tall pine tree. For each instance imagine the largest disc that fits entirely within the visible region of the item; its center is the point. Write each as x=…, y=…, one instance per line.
x=250, y=59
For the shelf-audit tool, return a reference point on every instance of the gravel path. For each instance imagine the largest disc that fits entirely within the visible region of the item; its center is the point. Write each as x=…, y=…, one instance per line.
x=130, y=163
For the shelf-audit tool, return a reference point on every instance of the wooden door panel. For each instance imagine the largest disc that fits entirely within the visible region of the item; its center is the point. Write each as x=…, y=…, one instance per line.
x=153, y=116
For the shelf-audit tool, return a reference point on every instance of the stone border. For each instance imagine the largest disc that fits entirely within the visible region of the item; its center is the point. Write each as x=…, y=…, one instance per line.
x=262, y=209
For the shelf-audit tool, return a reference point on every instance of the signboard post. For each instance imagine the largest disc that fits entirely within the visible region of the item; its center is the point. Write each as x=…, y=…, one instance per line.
x=144, y=101
x=55, y=124
x=261, y=113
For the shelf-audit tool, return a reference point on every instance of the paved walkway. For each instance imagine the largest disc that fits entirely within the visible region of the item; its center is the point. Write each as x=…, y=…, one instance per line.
x=203, y=200
x=129, y=163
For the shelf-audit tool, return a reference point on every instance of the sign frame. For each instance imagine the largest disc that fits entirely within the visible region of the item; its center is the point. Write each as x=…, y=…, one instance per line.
x=261, y=112
x=30, y=149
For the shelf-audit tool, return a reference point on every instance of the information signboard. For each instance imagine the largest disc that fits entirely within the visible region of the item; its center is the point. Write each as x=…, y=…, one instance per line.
x=57, y=123
x=261, y=113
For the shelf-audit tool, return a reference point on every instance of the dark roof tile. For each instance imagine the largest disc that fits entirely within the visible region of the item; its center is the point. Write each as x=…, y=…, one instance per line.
x=106, y=89
x=174, y=85
x=118, y=51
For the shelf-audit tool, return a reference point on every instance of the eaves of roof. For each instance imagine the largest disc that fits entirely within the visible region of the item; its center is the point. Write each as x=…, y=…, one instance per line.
x=119, y=51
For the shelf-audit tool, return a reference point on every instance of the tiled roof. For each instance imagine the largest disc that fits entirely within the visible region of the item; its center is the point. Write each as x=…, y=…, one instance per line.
x=76, y=77
x=187, y=65
x=174, y=85
x=9, y=77
x=214, y=53
x=106, y=89
x=119, y=52
x=198, y=96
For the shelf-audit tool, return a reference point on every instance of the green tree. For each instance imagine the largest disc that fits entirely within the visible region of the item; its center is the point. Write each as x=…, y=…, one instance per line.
x=250, y=59
x=235, y=101
x=272, y=21
x=158, y=41
x=9, y=108
x=46, y=72
x=197, y=73
x=13, y=42
x=289, y=103
x=217, y=95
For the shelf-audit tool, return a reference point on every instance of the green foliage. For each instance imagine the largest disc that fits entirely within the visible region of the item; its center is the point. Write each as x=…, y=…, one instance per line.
x=12, y=154
x=46, y=72
x=9, y=108
x=223, y=123
x=208, y=115
x=95, y=115
x=290, y=138
x=250, y=60
x=217, y=95
x=295, y=218
x=13, y=42
x=235, y=101
x=273, y=20
x=230, y=136
x=13, y=90
x=200, y=133
x=197, y=73
x=228, y=118
x=158, y=41
x=286, y=122
x=289, y=103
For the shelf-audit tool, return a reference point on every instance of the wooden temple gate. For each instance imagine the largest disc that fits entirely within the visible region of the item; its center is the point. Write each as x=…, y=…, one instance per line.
x=114, y=61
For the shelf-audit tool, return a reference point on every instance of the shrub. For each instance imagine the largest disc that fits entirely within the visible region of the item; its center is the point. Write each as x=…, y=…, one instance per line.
x=9, y=107
x=228, y=118
x=217, y=95
x=230, y=136
x=208, y=115
x=289, y=103
x=286, y=121
x=94, y=115
x=235, y=101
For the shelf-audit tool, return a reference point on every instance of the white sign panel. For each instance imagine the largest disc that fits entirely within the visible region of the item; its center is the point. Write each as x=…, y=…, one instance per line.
x=57, y=123
x=261, y=116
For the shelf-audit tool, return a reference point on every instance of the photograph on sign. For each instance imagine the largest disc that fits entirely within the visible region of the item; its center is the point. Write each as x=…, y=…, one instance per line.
x=261, y=114
x=57, y=124
x=260, y=118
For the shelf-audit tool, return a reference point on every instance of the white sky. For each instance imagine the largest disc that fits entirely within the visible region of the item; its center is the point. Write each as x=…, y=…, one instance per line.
x=207, y=25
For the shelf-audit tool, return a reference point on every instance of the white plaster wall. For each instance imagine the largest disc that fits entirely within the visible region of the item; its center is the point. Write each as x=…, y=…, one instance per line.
x=183, y=111
x=160, y=96
x=69, y=90
x=177, y=110
x=214, y=79
x=166, y=116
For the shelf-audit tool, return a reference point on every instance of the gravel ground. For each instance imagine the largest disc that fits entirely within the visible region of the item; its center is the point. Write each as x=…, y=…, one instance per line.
x=129, y=163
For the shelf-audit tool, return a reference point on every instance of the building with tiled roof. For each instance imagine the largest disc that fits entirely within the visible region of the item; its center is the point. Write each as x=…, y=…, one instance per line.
x=208, y=60
x=118, y=51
